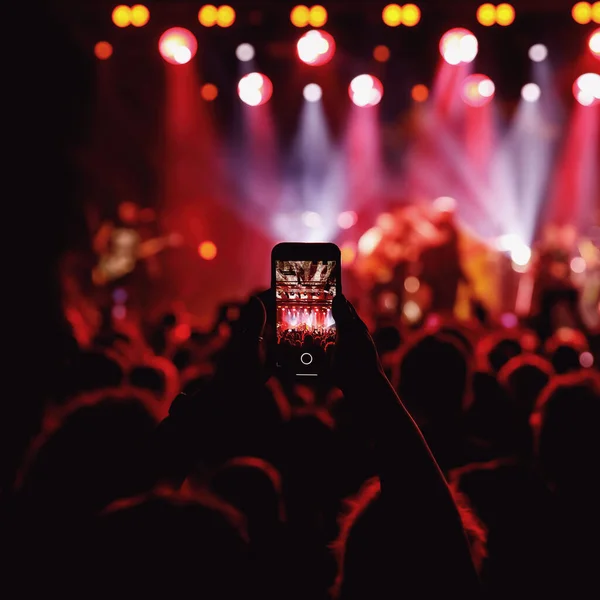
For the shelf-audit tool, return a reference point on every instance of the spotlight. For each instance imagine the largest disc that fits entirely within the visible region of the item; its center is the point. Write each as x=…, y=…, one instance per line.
x=103, y=50
x=586, y=89
x=225, y=16
x=419, y=93
x=369, y=240
x=312, y=92
x=578, y=265
x=531, y=92
x=207, y=15
x=347, y=219
x=177, y=45
x=486, y=15
x=392, y=15
x=317, y=17
x=255, y=89
x=381, y=53
x=582, y=13
x=311, y=219
x=520, y=255
x=300, y=16
x=316, y=48
x=207, y=250
x=412, y=284
x=538, y=52
x=411, y=15
x=209, y=92
x=244, y=52
x=121, y=15
x=505, y=14
x=478, y=90
x=445, y=204
x=594, y=43
x=140, y=15
x=365, y=90
x=458, y=46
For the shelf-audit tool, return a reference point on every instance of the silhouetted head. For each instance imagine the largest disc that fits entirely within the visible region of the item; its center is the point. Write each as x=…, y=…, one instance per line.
x=95, y=370
x=565, y=424
x=564, y=349
x=496, y=349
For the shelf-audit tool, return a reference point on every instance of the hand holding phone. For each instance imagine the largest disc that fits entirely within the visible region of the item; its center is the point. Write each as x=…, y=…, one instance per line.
x=305, y=280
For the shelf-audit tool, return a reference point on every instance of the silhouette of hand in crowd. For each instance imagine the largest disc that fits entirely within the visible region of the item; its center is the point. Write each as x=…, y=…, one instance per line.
x=355, y=359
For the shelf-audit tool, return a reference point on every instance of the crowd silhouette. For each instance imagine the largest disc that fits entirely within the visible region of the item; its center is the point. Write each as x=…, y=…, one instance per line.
x=453, y=458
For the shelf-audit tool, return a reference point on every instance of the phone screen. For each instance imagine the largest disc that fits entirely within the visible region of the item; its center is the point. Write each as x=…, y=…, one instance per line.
x=304, y=292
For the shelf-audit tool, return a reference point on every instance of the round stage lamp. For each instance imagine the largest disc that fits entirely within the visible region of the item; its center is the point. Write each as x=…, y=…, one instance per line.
x=486, y=14
x=103, y=50
x=121, y=15
x=140, y=15
x=411, y=15
x=586, y=89
x=177, y=45
x=505, y=14
x=392, y=15
x=582, y=12
x=365, y=90
x=312, y=92
x=317, y=16
x=477, y=90
x=255, y=89
x=300, y=15
x=594, y=43
x=531, y=92
x=538, y=52
x=316, y=47
x=458, y=45
x=244, y=52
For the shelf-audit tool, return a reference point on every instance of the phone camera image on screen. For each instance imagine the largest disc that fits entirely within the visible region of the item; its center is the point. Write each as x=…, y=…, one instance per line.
x=304, y=292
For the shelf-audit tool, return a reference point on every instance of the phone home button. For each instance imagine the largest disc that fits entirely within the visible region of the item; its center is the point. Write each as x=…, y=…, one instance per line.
x=306, y=358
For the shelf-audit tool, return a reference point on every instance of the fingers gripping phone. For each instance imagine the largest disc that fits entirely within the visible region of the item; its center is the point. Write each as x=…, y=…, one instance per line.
x=304, y=279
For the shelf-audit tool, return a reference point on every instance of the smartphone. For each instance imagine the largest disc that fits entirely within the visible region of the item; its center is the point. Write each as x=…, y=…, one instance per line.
x=305, y=278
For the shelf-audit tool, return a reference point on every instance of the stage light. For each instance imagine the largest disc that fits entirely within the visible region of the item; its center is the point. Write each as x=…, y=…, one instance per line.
x=347, y=219
x=412, y=284
x=586, y=89
x=255, y=89
x=419, y=92
x=244, y=52
x=348, y=254
x=312, y=219
x=312, y=92
x=177, y=45
x=207, y=15
x=300, y=16
x=458, y=46
x=386, y=222
x=381, y=53
x=207, y=250
x=316, y=48
x=445, y=204
x=531, y=92
x=369, y=240
x=412, y=311
x=520, y=255
x=317, y=16
x=505, y=14
x=594, y=43
x=596, y=12
x=365, y=90
x=477, y=90
x=578, y=265
x=486, y=14
x=392, y=15
x=121, y=15
x=538, y=52
x=209, y=92
x=411, y=15
x=103, y=50
x=582, y=13
x=140, y=15
x=225, y=16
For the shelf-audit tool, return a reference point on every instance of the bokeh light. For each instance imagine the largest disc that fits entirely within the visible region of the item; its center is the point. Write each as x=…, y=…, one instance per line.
x=582, y=12
x=207, y=15
x=578, y=265
x=458, y=46
x=392, y=15
x=531, y=92
x=411, y=15
x=365, y=90
x=381, y=53
x=348, y=253
x=486, y=14
x=445, y=204
x=586, y=360
x=245, y=52
x=317, y=16
x=411, y=311
x=103, y=50
x=596, y=12
x=586, y=89
x=225, y=16
x=505, y=14
x=538, y=52
x=312, y=92
x=121, y=15
x=177, y=45
x=477, y=90
x=312, y=219
x=412, y=284
x=209, y=92
x=316, y=47
x=255, y=89
x=207, y=250
x=419, y=92
x=140, y=15
x=300, y=15
x=594, y=43
x=369, y=240
x=347, y=219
